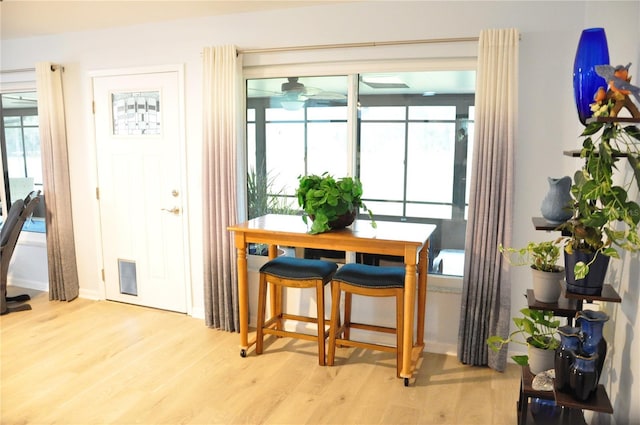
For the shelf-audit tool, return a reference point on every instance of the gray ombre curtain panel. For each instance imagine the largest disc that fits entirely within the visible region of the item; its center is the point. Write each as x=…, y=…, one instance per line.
x=486, y=291
x=222, y=88
x=61, y=253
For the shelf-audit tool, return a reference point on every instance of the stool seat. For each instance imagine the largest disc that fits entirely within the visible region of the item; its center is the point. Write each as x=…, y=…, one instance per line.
x=293, y=272
x=367, y=276
x=369, y=281
x=298, y=268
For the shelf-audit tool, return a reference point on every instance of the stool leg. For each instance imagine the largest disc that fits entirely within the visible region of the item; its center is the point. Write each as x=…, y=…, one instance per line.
x=273, y=296
x=278, y=309
x=262, y=304
x=347, y=314
x=320, y=321
x=399, y=330
x=335, y=320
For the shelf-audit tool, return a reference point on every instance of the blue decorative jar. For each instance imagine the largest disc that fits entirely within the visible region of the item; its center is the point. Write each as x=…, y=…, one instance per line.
x=565, y=353
x=592, y=50
x=591, y=324
x=557, y=204
x=545, y=411
x=583, y=376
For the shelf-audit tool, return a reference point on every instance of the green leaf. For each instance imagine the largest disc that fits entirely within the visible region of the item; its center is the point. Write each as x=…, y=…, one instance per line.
x=521, y=360
x=634, y=160
x=592, y=128
x=581, y=270
x=632, y=131
x=611, y=252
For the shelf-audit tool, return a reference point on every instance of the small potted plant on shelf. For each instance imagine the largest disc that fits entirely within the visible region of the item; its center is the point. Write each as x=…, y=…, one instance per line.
x=538, y=330
x=606, y=214
x=543, y=259
x=330, y=203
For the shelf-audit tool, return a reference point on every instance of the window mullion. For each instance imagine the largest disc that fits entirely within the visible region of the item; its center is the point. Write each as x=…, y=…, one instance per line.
x=406, y=159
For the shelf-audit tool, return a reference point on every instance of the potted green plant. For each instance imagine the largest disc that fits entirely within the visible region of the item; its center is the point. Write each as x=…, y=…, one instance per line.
x=538, y=330
x=605, y=215
x=330, y=203
x=543, y=259
x=263, y=198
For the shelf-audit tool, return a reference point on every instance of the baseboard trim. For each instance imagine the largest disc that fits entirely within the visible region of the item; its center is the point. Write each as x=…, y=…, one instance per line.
x=90, y=294
x=197, y=312
x=36, y=285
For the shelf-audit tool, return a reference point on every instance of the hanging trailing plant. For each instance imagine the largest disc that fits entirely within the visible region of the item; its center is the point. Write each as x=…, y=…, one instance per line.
x=606, y=216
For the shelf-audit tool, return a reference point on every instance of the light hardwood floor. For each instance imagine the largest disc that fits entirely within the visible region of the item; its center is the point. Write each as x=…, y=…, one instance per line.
x=99, y=362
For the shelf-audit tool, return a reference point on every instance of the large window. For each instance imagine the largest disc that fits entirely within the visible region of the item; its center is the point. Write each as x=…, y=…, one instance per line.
x=21, y=155
x=407, y=136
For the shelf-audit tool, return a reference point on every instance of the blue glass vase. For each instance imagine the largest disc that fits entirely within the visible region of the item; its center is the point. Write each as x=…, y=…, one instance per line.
x=592, y=50
x=565, y=353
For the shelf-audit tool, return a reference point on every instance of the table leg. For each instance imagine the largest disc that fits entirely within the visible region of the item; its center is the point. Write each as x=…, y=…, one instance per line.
x=243, y=298
x=409, y=303
x=275, y=292
x=423, y=271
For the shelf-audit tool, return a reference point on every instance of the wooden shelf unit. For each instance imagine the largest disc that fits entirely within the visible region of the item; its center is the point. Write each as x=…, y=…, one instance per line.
x=571, y=412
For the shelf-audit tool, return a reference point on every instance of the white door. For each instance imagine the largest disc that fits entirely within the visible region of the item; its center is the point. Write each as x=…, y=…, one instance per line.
x=139, y=153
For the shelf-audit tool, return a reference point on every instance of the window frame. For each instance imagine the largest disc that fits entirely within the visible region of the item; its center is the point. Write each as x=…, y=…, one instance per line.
x=445, y=283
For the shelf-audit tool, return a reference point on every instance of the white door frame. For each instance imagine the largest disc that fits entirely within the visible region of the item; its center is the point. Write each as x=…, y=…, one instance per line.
x=179, y=69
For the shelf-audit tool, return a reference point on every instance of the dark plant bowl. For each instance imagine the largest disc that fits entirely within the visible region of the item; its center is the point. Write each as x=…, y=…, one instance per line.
x=343, y=221
x=593, y=282
x=340, y=222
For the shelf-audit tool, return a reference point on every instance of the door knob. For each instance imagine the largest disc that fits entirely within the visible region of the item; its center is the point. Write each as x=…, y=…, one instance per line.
x=174, y=210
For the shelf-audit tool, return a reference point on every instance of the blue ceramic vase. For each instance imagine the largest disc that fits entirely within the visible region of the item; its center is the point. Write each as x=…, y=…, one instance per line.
x=591, y=325
x=592, y=50
x=565, y=354
x=583, y=376
x=557, y=204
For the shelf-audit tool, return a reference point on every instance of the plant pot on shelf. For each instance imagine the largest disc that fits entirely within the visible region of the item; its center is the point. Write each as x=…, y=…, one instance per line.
x=540, y=359
x=593, y=282
x=546, y=285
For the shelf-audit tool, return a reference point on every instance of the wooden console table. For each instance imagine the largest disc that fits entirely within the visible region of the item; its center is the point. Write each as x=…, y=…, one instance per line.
x=407, y=240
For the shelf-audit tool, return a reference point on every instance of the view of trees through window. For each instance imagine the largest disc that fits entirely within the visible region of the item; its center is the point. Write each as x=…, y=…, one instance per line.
x=406, y=136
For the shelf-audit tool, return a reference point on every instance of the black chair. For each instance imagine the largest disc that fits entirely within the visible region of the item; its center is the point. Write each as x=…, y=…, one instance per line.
x=18, y=213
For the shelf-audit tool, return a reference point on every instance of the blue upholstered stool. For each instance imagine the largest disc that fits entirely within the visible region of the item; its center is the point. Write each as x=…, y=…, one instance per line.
x=372, y=281
x=296, y=273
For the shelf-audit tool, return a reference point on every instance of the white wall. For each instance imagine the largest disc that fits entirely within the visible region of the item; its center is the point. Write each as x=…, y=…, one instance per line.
x=548, y=121
x=29, y=266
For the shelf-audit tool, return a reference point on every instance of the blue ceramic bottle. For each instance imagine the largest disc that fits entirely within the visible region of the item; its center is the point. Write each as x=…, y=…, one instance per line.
x=591, y=324
x=565, y=353
x=583, y=376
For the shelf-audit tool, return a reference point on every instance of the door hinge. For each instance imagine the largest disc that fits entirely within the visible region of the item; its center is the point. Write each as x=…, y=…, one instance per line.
x=102, y=271
x=93, y=107
x=98, y=193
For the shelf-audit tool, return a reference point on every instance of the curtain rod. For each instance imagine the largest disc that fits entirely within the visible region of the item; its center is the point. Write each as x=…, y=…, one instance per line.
x=14, y=71
x=365, y=44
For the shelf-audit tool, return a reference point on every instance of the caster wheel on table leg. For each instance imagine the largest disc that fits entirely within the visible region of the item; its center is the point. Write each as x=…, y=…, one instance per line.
x=406, y=382
x=243, y=353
